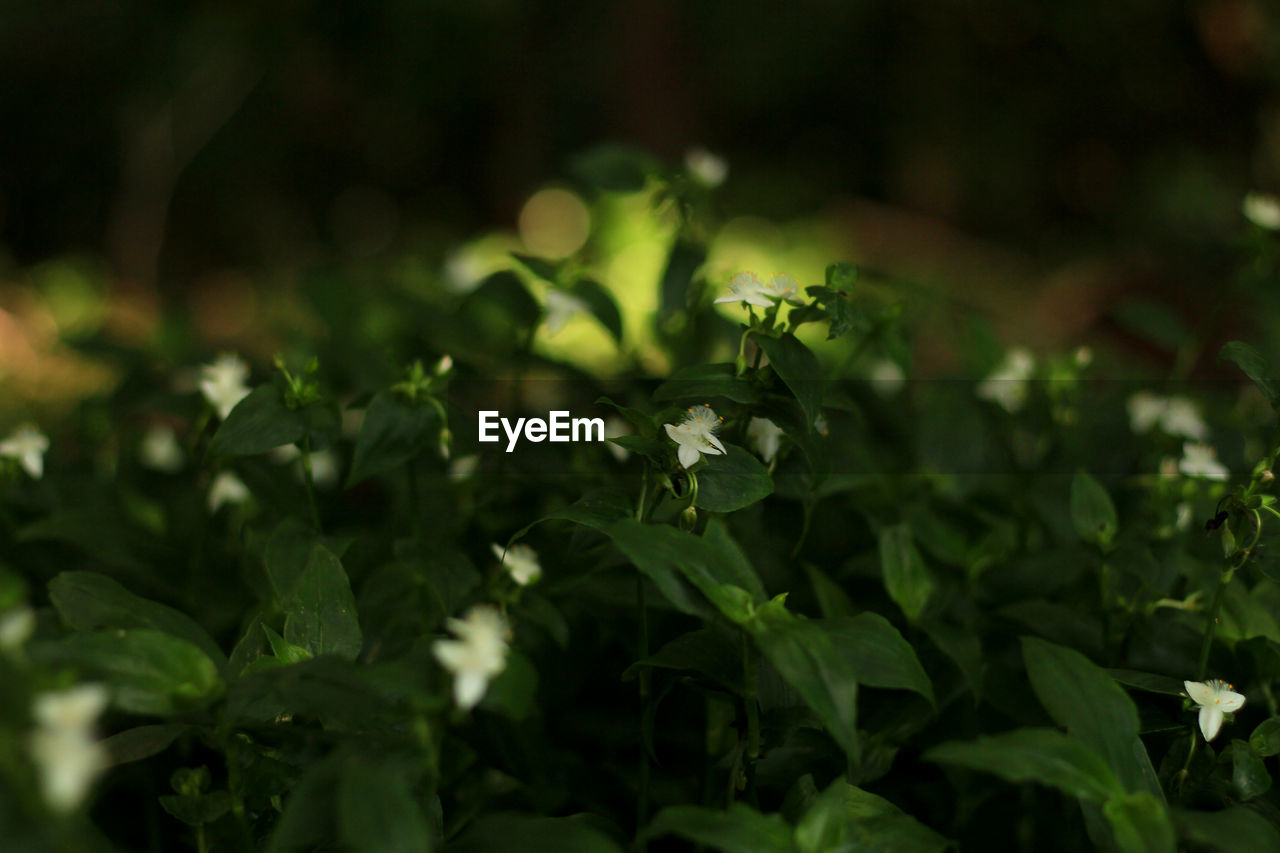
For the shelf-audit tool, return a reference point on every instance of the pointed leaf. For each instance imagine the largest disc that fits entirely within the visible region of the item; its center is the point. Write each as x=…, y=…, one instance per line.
x=1256, y=368
x=905, y=576
x=392, y=433
x=732, y=480
x=1035, y=755
x=740, y=829
x=260, y=422
x=879, y=654
x=1092, y=512
x=798, y=368
x=321, y=617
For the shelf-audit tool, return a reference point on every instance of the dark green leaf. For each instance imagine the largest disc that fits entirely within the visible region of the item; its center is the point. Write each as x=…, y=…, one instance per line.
x=514, y=691
x=285, y=651
x=1256, y=368
x=1092, y=512
x=612, y=167
x=197, y=809
x=964, y=649
x=1035, y=755
x=541, y=267
x=732, y=480
x=798, y=368
x=142, y=742
x=1082, y=697
x=644, y=423
x=601, y=304
x=1233, y=830
x=88, y=600
x=704, y=382
x=378, y=812
x=879, y=654
x=495, y=833
x=706, y=651
x=321, y=615
x=1249, y=776
x=103, y=535
x=1265, y=739
x=1140, y=823
x=260, y=422
x=740, y=829
x=905, y=577
x=832, y=600
x=1148, y=681
x=844, y=817
x=393, y=432
x=682, y=264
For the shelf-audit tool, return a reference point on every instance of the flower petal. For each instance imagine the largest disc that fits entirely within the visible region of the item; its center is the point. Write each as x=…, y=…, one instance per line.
x=689, y=456
x=1200, y=693
x=1210, y=722
x=1230, y=702
x=715, y=442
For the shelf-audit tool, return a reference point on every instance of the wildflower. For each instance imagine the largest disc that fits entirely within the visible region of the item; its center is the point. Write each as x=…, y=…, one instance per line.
x=521, y=561
x=1200, y=460
x=160, y=450
x=1215, y=698
x=1181, y=417
x=821, y=426
x=227, y=488
x=28, y=445
x=886, y=378
x=561, y=308
x=1007, y=384
x=444, y=365
x=695, y=435
x=223, y=383
x=783, y=287
x=1145, y=411
x=746, y=288
x=1263, y=210
x=462, y=468
x=766, y=435
x=63, y=746
x=706, y=168
x=16, y=628
x=478, y=655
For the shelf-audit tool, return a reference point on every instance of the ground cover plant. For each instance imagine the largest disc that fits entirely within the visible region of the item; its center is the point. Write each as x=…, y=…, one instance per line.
x=797, y=602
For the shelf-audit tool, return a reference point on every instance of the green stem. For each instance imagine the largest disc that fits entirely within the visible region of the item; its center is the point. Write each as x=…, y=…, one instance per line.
x=642, y=801
x=1209, y=629
x=311, y=486
x=202, y=843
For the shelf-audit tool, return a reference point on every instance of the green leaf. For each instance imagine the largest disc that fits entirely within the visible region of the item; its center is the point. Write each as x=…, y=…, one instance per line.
x=703, y=382
x=844, y=817
x=841, y=275
x=1148, y=681
x=1233, y=830
x=87, y=601
x=260, y=422
x=393, y=432
x=377, y=810
x=643, y=422
x=612, y=167
x=544, y=269
x=285, y=651
x=500, y=303
x=682, y=264
x=1140, y=823
x=807, y=656
x=142, y=742
x=197, y=809
x=732, y=480
x=1035, y=755
x=1249, y=776
x=495, y=833
x=740, y=829
x=905, y=577
x=798, y=368
x=601, y=304
x=321, y=615
x=1256, y=368
x=1265, y=739
x=706, y=651
x=832, y=600
x=1082, y=697
x=514, y=691
x=964, y=650
x=103, y=534
x=1092, y=512
x=149, y=672
x=879, y=654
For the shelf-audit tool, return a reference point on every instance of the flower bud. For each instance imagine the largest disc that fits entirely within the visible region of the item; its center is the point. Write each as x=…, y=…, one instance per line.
x=688, y=518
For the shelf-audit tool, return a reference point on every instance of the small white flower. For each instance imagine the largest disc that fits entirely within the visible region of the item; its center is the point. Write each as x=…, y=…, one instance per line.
x=746, y=288
x=160, y=450
x=1182, y=521
x=782, y=287
x=223, y=383
x=1215, y=699
x=1200, y=460
x=16, y=628
x=28, y=445
x=462, y=468
x=478, y=655
x=325, y=467
x=1182, y=418
x=886, y=378
x=1145, y=411
x=444, y=365
x=695, y=435
x=766, y=435
x=1007, y=384
x=227, y=488
x=1263, y=210
x=561, y=308
x=706, y=168
x=520, y=561
x=63, y=745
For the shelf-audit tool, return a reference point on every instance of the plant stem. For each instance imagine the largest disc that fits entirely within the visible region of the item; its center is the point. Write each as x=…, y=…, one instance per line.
x=311, y=486
x=1209, y=629
x=642, y=802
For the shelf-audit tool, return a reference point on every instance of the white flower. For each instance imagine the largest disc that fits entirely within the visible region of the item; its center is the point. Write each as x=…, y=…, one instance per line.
x=1262, y=210
x=1200, y=460
x=1181, y=417
x=886, y=378
x=325, y=466
x=28, y=445
x=1183, y=519
x=227, y=488
x=783, y=287
x=561, y=308
x=462, y=468
x=821, y=426
x=63, y=746
x=745, y=287
x=695, y=435
x=223, y=383
x=478, y=655
x=1145, y=411
x=444, y=365
x=1007, y=384
x=16, y=628
x=160, y=450
x=706, y=168
x=1215, y=699
x=521, y=561
x=766, y=435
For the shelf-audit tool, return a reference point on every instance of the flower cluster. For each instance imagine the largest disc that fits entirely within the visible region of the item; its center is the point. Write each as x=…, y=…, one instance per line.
x=64, y=748
x=695, y=435
x=223, y=383
x=520, y=561
x=1173, y=415
x=749, y=290
x=477, y=656
x=1007, y=384
x=28, y=445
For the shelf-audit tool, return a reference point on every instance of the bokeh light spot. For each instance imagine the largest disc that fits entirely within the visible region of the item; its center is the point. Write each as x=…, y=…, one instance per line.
x=554, y=223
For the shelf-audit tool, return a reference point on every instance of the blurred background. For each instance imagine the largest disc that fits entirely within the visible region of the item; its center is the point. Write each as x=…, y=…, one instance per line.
x=1073, y=172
